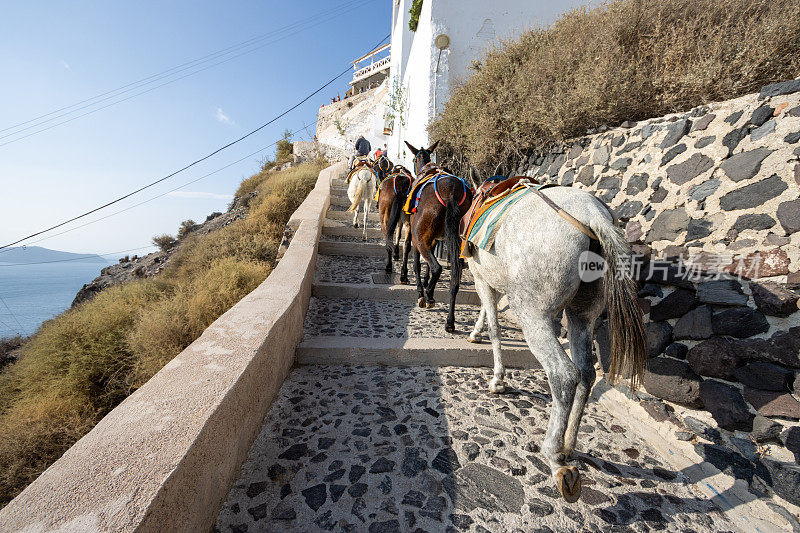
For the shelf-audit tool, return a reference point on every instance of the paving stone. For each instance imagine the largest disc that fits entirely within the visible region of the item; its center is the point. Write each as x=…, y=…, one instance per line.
x=784, y=479
x=658, y=196
x=777, y=89
x=733, y=118
x=681, y=173
x=726, y=405
x=677, y=350
x=480, y=486
x=601, y=155
x=791, y=439
x=745, y=165
x=659, y=335
x=315, y=496
x=628, y=210
x=732, y=139
x=636, y=183
x=792, y=138
x=698, y=228
x=672, y=153
x=753, y=195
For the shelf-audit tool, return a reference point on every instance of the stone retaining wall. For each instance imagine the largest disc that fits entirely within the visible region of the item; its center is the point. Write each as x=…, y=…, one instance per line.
x=165, y=458
x=711, y=201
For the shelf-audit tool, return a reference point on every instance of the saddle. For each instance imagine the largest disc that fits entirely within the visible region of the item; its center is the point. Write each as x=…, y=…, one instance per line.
x=397, y=171
x=430, y=175
x=358, y=164
x=489, y=191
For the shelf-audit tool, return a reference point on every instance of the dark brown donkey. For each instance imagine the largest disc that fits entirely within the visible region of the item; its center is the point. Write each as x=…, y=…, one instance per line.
x=392, y=194
x=439, y=209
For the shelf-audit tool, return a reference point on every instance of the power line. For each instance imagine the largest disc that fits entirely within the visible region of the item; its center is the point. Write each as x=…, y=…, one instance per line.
x=12, y=314
x=73, y=259
x=156, y=196
x=336, y=11
x=218, y=150
x=92, y=111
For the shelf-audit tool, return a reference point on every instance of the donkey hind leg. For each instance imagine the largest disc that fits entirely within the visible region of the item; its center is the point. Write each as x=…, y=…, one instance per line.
x=397, y=237
x=475, y=335
x=406, y=250
x=563, y=376
x=580, y=330
x=418, y=272
x=355, y=217
x=488, y=298
x=435, y=270
x=367, y=202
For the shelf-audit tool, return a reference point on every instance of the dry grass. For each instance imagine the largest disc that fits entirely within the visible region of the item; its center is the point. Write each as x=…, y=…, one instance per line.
x=627, y=59
x=79, y=366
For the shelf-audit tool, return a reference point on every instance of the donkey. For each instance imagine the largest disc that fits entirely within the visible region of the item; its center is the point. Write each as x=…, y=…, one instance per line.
x=361, y=190
x=438, y=213
x=535, y=261
x=391, y=197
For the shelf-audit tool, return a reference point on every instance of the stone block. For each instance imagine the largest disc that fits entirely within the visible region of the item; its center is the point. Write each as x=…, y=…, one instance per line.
x=673, y=380
x=715, y=357
x=726, y=405
x=674, y=305
x=721, y=292
x=696, y=324
x=745, y=165
x=772, y=403
x=774, y=299
x=739, y=322
x=765, y=376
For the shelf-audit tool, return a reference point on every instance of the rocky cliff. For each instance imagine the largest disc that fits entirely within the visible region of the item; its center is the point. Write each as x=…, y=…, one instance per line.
x=129, y=269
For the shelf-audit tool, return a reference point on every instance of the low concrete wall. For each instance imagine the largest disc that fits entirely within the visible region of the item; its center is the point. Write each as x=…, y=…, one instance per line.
x=165, y=458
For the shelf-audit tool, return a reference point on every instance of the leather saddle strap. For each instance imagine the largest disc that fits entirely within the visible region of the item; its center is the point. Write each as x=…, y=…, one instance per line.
x=566, y=216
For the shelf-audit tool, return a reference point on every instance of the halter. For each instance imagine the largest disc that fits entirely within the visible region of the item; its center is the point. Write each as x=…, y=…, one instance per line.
x=421, y=152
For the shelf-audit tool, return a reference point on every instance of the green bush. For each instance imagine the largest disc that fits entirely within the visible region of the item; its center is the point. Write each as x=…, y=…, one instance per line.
x=627, y=59
x=185, y=227
x=416, y=9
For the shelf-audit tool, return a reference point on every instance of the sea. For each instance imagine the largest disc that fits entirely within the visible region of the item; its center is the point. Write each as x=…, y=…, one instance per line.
x=31, y=294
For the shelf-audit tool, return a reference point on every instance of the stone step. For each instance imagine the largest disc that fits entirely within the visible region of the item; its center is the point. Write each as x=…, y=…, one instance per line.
x=344, y=216
x=352, y=249
x=422, y=351
x=334, y=229
x=394, y=292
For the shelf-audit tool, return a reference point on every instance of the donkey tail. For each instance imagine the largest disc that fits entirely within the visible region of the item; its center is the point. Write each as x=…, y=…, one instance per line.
x=628, y=338
x=395, y=212
x=452, y=218
x=358, y=195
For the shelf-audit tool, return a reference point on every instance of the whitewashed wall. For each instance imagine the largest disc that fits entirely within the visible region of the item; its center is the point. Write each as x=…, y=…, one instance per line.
x=365, y=117
x=472, y=25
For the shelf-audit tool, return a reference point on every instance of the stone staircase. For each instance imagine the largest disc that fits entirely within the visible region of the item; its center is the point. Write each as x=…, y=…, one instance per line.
x=386, y=424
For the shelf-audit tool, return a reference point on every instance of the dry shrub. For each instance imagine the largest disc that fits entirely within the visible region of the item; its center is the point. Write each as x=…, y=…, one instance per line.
x=627, y=59
x=81, y=364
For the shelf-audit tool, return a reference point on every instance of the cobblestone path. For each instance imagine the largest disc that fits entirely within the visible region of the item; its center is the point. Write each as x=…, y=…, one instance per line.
x=425, y=449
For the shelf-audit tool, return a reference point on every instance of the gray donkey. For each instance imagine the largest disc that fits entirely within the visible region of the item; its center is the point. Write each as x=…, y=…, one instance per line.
x=535, y=261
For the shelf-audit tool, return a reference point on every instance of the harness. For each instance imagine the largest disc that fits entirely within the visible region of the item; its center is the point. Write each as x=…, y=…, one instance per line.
x=358, y=164
x=400, y=171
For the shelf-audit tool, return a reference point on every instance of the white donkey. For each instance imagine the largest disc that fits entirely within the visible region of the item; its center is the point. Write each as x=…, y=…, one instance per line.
x=535, y=261
x=362, y=189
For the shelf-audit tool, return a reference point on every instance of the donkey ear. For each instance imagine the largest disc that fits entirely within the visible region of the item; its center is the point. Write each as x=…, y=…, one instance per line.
x=413, y=150
x=474, y=177
x=432, y=147
x=500, y=170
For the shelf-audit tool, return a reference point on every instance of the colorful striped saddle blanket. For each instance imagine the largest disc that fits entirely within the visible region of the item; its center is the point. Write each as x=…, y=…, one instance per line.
x=480, y=225
x=358, y=164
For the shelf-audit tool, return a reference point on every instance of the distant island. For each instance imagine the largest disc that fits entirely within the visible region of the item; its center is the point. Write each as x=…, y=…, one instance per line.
x=37, y=254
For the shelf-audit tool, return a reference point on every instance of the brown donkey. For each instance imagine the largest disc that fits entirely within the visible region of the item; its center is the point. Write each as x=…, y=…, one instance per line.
x=440, y=206
x=392, y=194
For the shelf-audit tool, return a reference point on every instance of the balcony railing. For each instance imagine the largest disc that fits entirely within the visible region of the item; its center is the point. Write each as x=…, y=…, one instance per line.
x=376, y=63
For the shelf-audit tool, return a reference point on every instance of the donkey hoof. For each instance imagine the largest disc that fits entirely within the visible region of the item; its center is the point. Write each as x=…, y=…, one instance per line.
x=404, y=279
x=355, y=224
x=497, y=386
x=421, y=303
x=450, y=328
x=568, y=481
x=431, y=304
x=475, y=339
x=388, y=268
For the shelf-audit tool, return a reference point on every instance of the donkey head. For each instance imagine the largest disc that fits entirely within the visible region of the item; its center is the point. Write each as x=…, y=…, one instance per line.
x=422, y=156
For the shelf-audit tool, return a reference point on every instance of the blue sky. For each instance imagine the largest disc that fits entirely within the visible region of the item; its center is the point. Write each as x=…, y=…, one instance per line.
x=53, y=54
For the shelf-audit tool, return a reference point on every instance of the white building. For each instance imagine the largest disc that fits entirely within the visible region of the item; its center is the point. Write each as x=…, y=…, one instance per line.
x=421, y=75
x=424, y=66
